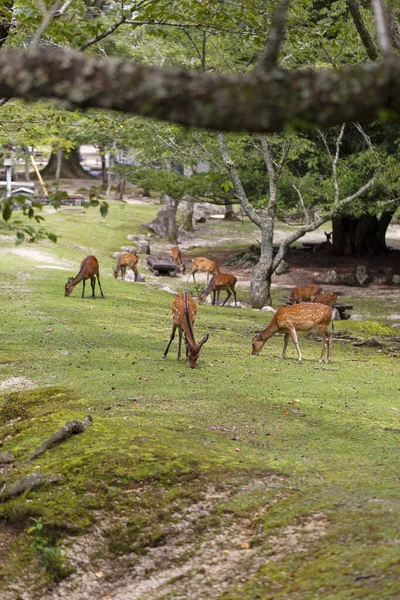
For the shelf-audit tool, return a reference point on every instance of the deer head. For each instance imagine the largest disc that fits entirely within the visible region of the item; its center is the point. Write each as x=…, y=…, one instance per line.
x=194, y=351
x=257, y=344
x=69, y=286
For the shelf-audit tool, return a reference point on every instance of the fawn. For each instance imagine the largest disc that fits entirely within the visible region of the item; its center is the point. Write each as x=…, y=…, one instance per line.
x=220, y=282
x=89, y=270
x=299, y=317
x=177, y=258
x=304, y=293
x=328, y=298
x=124, y=261
x=205, y=265
x=183, y=316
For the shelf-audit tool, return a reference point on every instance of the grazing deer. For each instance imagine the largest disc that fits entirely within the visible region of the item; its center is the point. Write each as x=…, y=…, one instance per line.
x=177, y=258
x=124, y=261
x=324, y=246
x=183, y=316
x=299, y=317
x=328, y=298
x=304, y=293
x=89, y=270
x=205, y=265
x=220, y=282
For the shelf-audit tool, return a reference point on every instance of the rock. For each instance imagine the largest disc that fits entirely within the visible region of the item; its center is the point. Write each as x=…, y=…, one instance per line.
x=6, y=458
x=129, y=249
x=329, y=277
x=396, y=279
x=116, y=255
x=356, y=317
x=169, y=290
x=380, y=280
x=283, y=268
x=362, y=276
x=370, y=343
x=268, y=309
x=348, y=278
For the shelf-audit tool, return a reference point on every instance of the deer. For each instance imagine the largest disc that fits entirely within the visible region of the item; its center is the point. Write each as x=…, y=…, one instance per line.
x=324, y=246
x=304, y=293
x=205, y=265
x=220, y=282
x=183, y=317
x=328, y=298
x=177, y=258
x=89, y=270
x=124, y=261
x=298, y=317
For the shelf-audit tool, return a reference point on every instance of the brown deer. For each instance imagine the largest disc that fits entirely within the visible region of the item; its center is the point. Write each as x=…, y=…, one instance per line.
x=304, y=293
x=328, y=298
x=205, y=265
x=177, y=258
x=299, y=317
x=89, y=270
x=183, y=316
x=124, y=261
x=220, y=282
x=324, y=246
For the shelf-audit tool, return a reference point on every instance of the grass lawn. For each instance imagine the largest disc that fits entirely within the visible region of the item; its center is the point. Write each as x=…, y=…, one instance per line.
x=257, y=477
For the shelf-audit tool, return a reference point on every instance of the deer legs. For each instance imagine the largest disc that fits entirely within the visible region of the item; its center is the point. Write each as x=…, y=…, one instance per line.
x=170, y=341
x=98, y=281
x=327, y=343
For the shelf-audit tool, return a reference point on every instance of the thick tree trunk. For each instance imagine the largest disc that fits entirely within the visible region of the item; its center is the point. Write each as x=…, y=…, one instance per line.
x=171, y=206
x=186, y=212
x=365, y=235
x=260, y=285
x=230, y=214
x=70, y=167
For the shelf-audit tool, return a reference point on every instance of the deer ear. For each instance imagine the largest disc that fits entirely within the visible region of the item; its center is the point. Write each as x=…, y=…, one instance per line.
x=203, y=341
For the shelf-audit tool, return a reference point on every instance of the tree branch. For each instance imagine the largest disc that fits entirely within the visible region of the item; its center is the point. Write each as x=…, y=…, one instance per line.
x=275, y=37
x=381, y=27
x=293, y=237
x=254, y=102
x=48, y=16
x=240, y=193
x=362, y=30
x=104, y=34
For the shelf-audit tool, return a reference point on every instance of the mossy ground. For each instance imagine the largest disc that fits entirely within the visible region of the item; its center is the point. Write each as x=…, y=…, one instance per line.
x=164, y=434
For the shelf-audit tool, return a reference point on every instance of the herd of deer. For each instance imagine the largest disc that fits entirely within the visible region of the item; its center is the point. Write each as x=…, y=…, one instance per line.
x=310, y=309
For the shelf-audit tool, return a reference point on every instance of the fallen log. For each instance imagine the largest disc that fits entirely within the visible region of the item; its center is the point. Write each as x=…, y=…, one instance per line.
x=62, y=434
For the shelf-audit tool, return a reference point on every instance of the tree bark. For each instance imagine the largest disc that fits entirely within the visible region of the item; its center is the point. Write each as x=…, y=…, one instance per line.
x=171, y=206
x=186, y=211
x=70, y=167
x=255, y=102
x=230, y=214
x=359, y=236
x=260, y=285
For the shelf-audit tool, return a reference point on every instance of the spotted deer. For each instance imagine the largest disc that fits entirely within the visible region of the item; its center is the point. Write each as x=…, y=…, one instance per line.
x=177, y=258
x=304, y=293
x=205, y=265
x=124, y=261
x=89, y=270
x=220, y=282
x=328, y=298
x=307, y=317
x=183, y=317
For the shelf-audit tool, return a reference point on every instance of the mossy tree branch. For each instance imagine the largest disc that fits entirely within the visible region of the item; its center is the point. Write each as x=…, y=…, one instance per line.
x=256, y=102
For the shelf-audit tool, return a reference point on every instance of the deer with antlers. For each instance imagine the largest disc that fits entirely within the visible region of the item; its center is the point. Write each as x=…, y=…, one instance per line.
x=204, y=264
x=177, y=258
x=183, y=316
x=89, y=270
x=308, y=317
x=304, y=293
x=219, y=283
x=126, y=260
